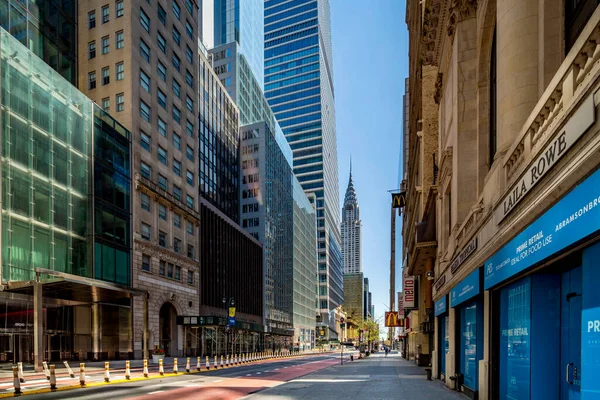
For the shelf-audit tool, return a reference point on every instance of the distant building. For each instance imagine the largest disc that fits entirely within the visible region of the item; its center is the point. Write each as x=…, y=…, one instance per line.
x=354, y=296
x=351, y=231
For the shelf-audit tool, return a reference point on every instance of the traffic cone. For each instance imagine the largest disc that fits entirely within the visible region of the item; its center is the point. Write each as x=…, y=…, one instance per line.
x=106, y=372
x=71, y=374
x=222, y=365
x=46, y=370
x=161, y=369
x=145, y=368
x=207, y=363
x=187, y=365
x=20, y=372
x=227, y=361
x=198, y=366
x=175, y=370
x=127, y=370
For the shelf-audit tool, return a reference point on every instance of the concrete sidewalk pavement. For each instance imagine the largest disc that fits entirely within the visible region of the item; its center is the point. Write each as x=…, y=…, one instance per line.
x=374, y=377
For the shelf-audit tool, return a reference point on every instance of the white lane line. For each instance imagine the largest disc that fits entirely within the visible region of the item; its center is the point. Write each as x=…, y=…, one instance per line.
x=220, y=380
x=276, y=369
x=157, y=391
x=258, y=373
x=248, y=374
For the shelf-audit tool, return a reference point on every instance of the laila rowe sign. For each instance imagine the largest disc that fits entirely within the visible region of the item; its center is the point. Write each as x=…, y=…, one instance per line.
x=573, y=130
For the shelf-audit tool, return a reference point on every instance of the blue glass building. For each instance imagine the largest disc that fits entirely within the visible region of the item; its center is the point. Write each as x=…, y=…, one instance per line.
x=299, y=88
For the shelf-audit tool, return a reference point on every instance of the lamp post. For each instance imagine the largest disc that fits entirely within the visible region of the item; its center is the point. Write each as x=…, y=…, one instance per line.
x=230, y=319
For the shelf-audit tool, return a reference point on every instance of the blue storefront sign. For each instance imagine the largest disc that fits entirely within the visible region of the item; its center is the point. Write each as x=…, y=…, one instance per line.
x=466, y=289
x=574, y=217
x=441, y=306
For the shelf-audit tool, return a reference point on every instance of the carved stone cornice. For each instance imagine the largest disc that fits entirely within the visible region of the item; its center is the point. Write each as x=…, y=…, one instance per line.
x=445, y=167
x=431, y=31
x=439, y=86
x=459, y=11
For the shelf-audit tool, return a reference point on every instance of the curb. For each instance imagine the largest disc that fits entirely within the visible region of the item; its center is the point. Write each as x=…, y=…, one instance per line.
x=97, y=384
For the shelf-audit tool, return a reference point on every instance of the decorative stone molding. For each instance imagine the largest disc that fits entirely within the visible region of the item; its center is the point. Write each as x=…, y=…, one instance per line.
x=445, y=171
x=431, y=22
x=459, y=11
x=470, y=224
x=164, y=254
x=439, y=86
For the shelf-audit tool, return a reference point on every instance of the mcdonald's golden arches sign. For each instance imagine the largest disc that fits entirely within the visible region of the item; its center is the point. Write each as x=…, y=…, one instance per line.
x=392, y=319
x=398, y=200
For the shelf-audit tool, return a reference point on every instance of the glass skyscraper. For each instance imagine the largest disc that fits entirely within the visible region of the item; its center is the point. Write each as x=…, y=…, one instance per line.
x=241, y=21
x=299, y=88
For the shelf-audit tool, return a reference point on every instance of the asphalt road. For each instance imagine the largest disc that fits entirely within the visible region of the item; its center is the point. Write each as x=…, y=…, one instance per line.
x=226, y=384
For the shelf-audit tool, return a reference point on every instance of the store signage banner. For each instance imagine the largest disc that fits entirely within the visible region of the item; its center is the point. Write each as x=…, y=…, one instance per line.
x=574, y=217
x=441, y=306
x=466, y=289
x=577, y=125
x=409, y=290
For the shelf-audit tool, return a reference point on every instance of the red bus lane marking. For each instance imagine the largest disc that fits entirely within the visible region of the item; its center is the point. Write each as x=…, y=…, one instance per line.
x=236, y=388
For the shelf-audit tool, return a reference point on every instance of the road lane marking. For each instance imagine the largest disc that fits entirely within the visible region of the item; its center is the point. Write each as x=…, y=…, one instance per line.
x=157, y=391
x=258, y=373
x=220, y=380
x=248, y=374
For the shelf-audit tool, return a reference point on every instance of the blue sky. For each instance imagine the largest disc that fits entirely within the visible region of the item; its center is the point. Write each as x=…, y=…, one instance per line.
x=370, y=62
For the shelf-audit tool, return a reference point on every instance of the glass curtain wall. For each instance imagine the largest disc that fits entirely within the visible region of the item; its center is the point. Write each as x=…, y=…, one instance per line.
x=46, y=138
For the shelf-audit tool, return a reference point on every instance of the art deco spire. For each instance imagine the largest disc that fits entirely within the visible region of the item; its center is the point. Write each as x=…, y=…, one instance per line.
x=350, y=191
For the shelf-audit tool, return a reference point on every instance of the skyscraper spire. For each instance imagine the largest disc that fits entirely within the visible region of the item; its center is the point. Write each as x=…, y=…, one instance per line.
x=351, y=229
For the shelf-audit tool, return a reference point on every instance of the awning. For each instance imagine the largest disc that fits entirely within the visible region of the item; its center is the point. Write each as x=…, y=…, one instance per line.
x=63, y=286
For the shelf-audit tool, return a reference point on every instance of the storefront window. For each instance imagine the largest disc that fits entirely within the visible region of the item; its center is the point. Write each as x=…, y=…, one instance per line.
x=471, y=346
x=515, y=321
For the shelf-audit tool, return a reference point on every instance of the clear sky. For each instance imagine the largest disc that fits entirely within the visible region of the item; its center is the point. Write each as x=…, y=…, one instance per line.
x=370, y=63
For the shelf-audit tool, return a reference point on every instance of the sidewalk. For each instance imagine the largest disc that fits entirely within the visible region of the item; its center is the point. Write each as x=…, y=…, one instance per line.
x=374, y=377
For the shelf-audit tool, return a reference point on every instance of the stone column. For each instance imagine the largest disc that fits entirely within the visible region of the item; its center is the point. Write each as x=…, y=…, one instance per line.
x=96, y=332
x=518, y=66
x=38, y=324
x=485, y=362
x=145, y=339
x=453, y=342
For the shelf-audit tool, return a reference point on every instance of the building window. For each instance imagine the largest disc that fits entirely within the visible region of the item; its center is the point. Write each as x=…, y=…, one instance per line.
x=92, y=80
x=189, y=177
x=177, y=272
x=105, y=44
x=162, y=15
x=145, y=20
x=176, y=141
x=145, y=262
x=189, y=103
x=105, y=13
x=189, y=127
x=190, y=228
x=145, y=111
x=162, y=127
x=162, y=99
x=176, y=62
x=162, y=71
x=177, y=114
x=120, y=102
x=176, y=245
x=163, y=183
x=162, y=156
x=162, y=43
x=189, y=30
x=146, y=170
x=161, y=268
x=145, y=81
x=176, y=190
x=189, y=54
x=189, y=79
x=146, y=232
x=119, y=7
x=177, y=167
x=176, y=10
x=177, y=220
x=162, y=239
x=493, y=103
x=190, y=251
x=120, y=71
x=176, y=88
x=176, y=36
x=106, y=104
x=145, y=141
x=189, y=152
x=120, y=42
x=170, y=270
x=144, y=50
x=145, y=202
x=323, y=304
x=105, y=76
x=91, y=50
x=190, y=277
x=92, y=19
x=189, y=6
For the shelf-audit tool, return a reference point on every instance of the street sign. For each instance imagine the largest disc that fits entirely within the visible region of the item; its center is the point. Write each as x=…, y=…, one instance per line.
x=231, y=321
x=231, y=312
x=342, y=326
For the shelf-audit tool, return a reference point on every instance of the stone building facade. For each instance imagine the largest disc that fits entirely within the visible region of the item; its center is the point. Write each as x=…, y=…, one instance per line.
x=500, y=224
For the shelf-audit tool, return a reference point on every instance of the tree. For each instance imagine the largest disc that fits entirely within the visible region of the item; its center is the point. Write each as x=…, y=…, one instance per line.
x=371, y=331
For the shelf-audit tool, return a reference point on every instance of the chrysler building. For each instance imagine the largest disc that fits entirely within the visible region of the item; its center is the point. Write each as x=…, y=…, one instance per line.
x=351, y=231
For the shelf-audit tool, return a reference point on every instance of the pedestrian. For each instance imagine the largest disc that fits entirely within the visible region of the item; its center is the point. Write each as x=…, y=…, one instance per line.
x=387, y=350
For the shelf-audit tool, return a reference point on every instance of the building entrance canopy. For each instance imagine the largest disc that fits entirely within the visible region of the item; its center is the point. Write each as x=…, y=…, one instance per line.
x=74, y=289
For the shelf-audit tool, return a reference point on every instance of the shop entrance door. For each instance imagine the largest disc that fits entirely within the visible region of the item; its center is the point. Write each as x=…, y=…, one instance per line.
x=571, y=290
